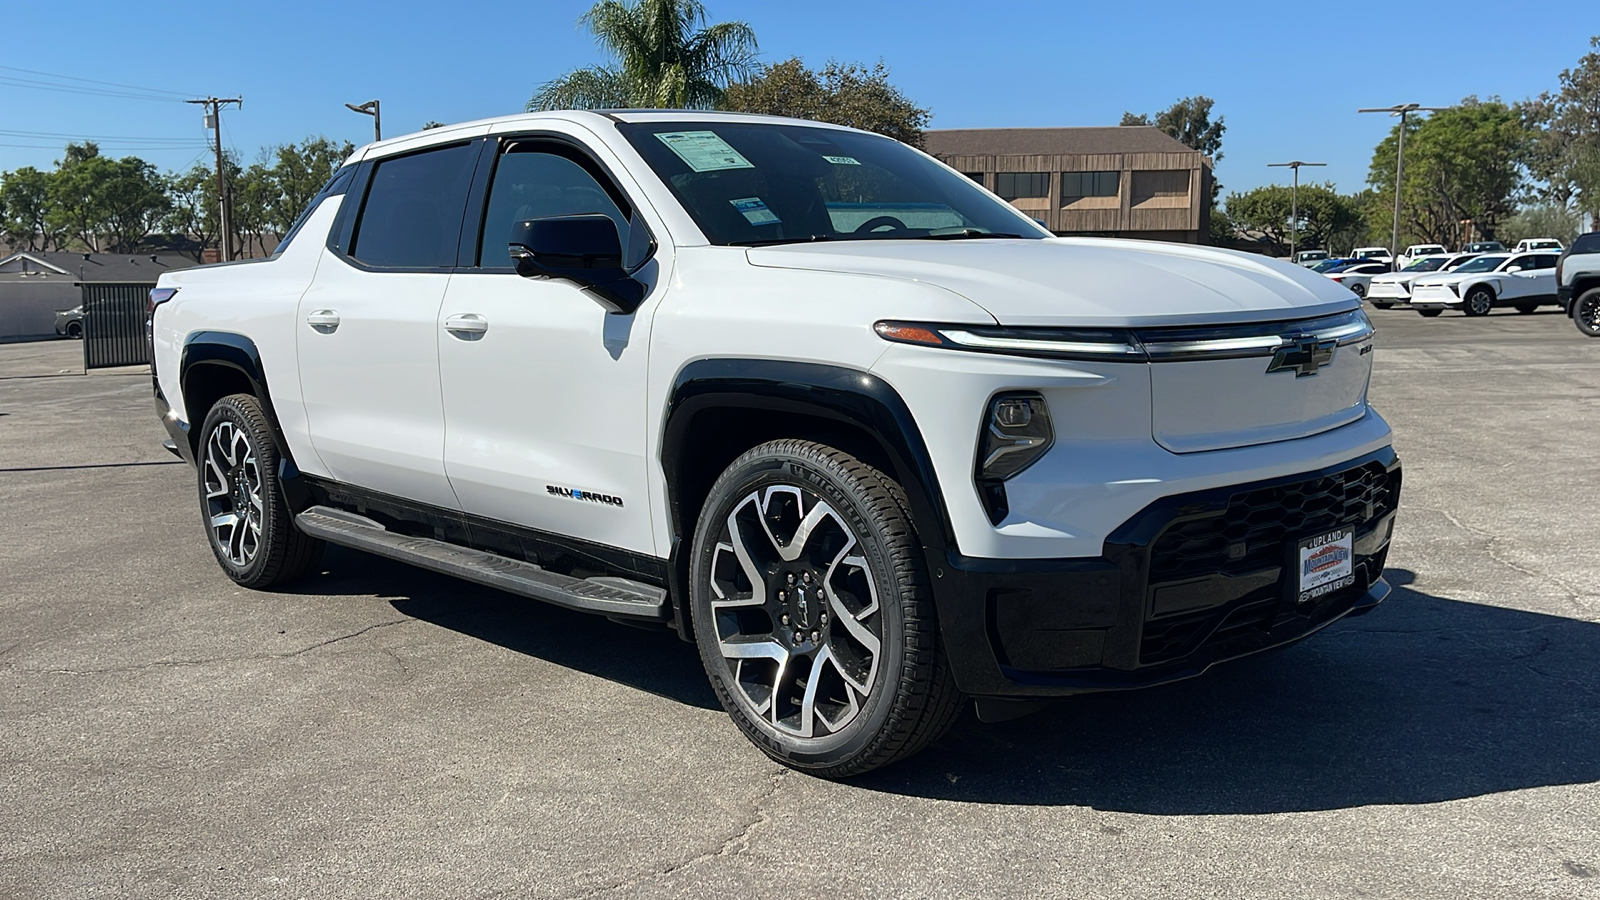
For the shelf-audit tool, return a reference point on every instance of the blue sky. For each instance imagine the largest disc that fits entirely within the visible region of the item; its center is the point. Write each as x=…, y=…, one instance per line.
x=1288, y=78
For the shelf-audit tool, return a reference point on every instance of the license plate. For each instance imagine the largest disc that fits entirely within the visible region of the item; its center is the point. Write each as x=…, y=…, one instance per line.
x=1327, y=564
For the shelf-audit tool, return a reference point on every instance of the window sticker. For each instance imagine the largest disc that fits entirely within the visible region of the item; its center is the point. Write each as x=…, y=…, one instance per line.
x=704, y=151
x=755, y=211
x=843, y=160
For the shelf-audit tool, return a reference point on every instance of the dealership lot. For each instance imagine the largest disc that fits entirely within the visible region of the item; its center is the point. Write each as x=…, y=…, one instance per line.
x=381, y=731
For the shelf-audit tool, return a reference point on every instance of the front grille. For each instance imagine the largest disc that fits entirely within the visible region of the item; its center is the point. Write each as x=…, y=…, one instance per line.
x=1251, y=532
x=1247, y=537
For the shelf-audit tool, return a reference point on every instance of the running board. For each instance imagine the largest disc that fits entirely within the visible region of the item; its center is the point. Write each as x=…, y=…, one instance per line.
x=606, y=596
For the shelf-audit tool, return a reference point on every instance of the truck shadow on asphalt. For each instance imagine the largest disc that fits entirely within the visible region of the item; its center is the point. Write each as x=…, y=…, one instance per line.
x=1426, y=699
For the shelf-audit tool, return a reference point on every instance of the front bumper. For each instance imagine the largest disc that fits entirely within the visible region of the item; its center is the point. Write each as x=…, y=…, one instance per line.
x=1190, y=581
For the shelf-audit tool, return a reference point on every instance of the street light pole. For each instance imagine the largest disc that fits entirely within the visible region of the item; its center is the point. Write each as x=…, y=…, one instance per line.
x=1294, y=202
x=1402, y=110
x=370, y=108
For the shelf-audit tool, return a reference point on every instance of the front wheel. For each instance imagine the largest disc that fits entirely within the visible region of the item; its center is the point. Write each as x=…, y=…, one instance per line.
x=1479, y=301
x=1586, y=312
x=813, y=612
x=246, y=515
x=1360, y=290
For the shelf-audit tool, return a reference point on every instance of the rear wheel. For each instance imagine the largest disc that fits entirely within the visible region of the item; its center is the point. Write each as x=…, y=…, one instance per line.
x=1359, y=289
x=246, y=515
x=1586, y=312
x=1429, y=313
x=813, y=611
x=1479, y=301
x=74, y=330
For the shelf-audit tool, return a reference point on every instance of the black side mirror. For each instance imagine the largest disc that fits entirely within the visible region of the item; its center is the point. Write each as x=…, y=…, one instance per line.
x=585, y=249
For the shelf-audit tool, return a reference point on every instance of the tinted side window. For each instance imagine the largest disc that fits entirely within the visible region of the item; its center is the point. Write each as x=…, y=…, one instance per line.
x=538, y=183
x=412, y=214
x=1545, y=261
x=1588, y=243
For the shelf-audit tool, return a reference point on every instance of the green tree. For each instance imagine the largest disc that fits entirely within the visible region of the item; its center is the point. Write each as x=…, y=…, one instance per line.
x=1267, y=210
x=1563, y=152
x=843, y=94
x=107, y=204
x=1544, y=220
x=1189, y=122
x=1463, y=165
x=297, y=173
x=664, y=56
x=26, y=210
x=193, y=213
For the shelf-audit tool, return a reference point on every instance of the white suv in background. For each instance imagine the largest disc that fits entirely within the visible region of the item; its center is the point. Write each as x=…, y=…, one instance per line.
x=864, y=433
x=1523, y=280
x=1384, y=291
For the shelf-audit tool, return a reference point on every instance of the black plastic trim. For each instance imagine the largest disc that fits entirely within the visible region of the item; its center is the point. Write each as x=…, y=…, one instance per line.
x=555, y=552
x=848, y=396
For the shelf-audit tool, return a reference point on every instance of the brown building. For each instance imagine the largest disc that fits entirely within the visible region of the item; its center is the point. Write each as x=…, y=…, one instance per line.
x=1123, y=181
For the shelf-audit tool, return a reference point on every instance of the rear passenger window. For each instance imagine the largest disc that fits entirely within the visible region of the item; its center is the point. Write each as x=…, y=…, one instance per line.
x=1588, y=243
x=537, y=183
x=412, y=214
x=1545, y=261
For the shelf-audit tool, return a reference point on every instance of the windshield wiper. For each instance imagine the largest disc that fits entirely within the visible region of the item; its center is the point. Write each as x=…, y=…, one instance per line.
x=965, y=234
x=804, y=239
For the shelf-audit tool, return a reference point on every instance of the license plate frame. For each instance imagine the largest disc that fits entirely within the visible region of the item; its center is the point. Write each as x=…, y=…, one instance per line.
x=1323, y=564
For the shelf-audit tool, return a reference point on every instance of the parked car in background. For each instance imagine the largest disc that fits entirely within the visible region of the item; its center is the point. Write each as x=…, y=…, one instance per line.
x=1532, y=244
x=69, y=322
x=1524, y=280
x=1308, y=257
x=1391, y=288
x=1325, y=266
x=1374, y=253
x=1578, y=283
x=1418, y=251
x=1358, y=274
x=1484, y=247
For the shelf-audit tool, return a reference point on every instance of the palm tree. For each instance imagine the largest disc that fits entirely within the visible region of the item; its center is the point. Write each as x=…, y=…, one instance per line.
x=665, y=55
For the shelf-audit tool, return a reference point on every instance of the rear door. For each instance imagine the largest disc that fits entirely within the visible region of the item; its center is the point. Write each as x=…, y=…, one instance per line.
x=544, y=390
x=1544, y=277
x=368, y=333
x=1521, y=284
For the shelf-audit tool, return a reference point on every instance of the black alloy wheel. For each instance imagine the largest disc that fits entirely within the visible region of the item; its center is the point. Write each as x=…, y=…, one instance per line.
x=1480, y=300
x=1359, y=289
x=1586, y=312
x=247, y=518
x=813, y=613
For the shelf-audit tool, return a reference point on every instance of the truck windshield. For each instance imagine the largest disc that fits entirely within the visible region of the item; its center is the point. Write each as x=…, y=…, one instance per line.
x=752, y=183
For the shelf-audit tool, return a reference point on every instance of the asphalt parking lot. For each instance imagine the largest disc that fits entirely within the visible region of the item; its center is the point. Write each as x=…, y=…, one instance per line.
x=384, y=732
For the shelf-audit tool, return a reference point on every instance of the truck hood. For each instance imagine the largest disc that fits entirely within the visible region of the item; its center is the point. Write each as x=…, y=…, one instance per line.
x=1085, y=281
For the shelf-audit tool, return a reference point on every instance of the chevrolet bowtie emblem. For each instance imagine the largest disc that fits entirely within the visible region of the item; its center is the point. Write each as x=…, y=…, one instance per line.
x=1303, y=356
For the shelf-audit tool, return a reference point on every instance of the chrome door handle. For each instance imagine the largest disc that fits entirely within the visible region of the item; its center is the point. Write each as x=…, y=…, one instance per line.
x=465, y=324
x=323, y=320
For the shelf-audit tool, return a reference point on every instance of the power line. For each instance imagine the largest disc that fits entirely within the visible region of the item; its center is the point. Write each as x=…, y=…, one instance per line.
x=128, y=87
x=119, y=146
x=57, y=135
x=85, y=91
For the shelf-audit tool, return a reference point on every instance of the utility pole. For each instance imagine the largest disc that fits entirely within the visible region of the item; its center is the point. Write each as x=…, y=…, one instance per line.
x=1294, y=203
x=370, y=108
x=213, y=107
x=1402, y=110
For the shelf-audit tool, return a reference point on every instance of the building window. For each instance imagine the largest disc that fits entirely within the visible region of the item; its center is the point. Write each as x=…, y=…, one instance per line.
x=1166, y=189
x=1076, y=185
x=975, y=176
x=1013, y=185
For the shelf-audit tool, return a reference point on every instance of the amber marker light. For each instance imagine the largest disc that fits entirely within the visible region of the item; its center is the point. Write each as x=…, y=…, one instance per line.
x=909, y=334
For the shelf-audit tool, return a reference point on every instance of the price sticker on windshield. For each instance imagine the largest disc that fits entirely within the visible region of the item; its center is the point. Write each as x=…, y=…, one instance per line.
x=704, y=151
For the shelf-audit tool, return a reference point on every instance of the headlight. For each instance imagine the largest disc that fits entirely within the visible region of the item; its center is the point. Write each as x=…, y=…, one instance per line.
x=1016, y=432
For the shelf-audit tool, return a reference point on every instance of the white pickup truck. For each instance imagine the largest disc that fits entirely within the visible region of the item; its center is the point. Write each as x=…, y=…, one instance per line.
x=869, y=436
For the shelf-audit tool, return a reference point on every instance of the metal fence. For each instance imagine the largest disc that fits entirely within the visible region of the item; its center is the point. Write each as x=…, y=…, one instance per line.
x=113, y=325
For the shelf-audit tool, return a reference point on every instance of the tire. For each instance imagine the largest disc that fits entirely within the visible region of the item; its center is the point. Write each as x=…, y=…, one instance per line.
x=242, y=505
x=1527, y=308
x=1429, y=313
x=75, y=331
x=1586, y=312
x=816, y=694
x=1479, y=301
x=1360, y=290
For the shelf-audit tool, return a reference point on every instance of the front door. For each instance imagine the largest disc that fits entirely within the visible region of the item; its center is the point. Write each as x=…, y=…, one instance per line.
x=367, y=329
x=544, y=391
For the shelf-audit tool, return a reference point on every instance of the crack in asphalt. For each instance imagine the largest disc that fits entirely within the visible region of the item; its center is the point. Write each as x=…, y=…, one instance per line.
x=184, y=663
x=738, y=843
x=1574, y=596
